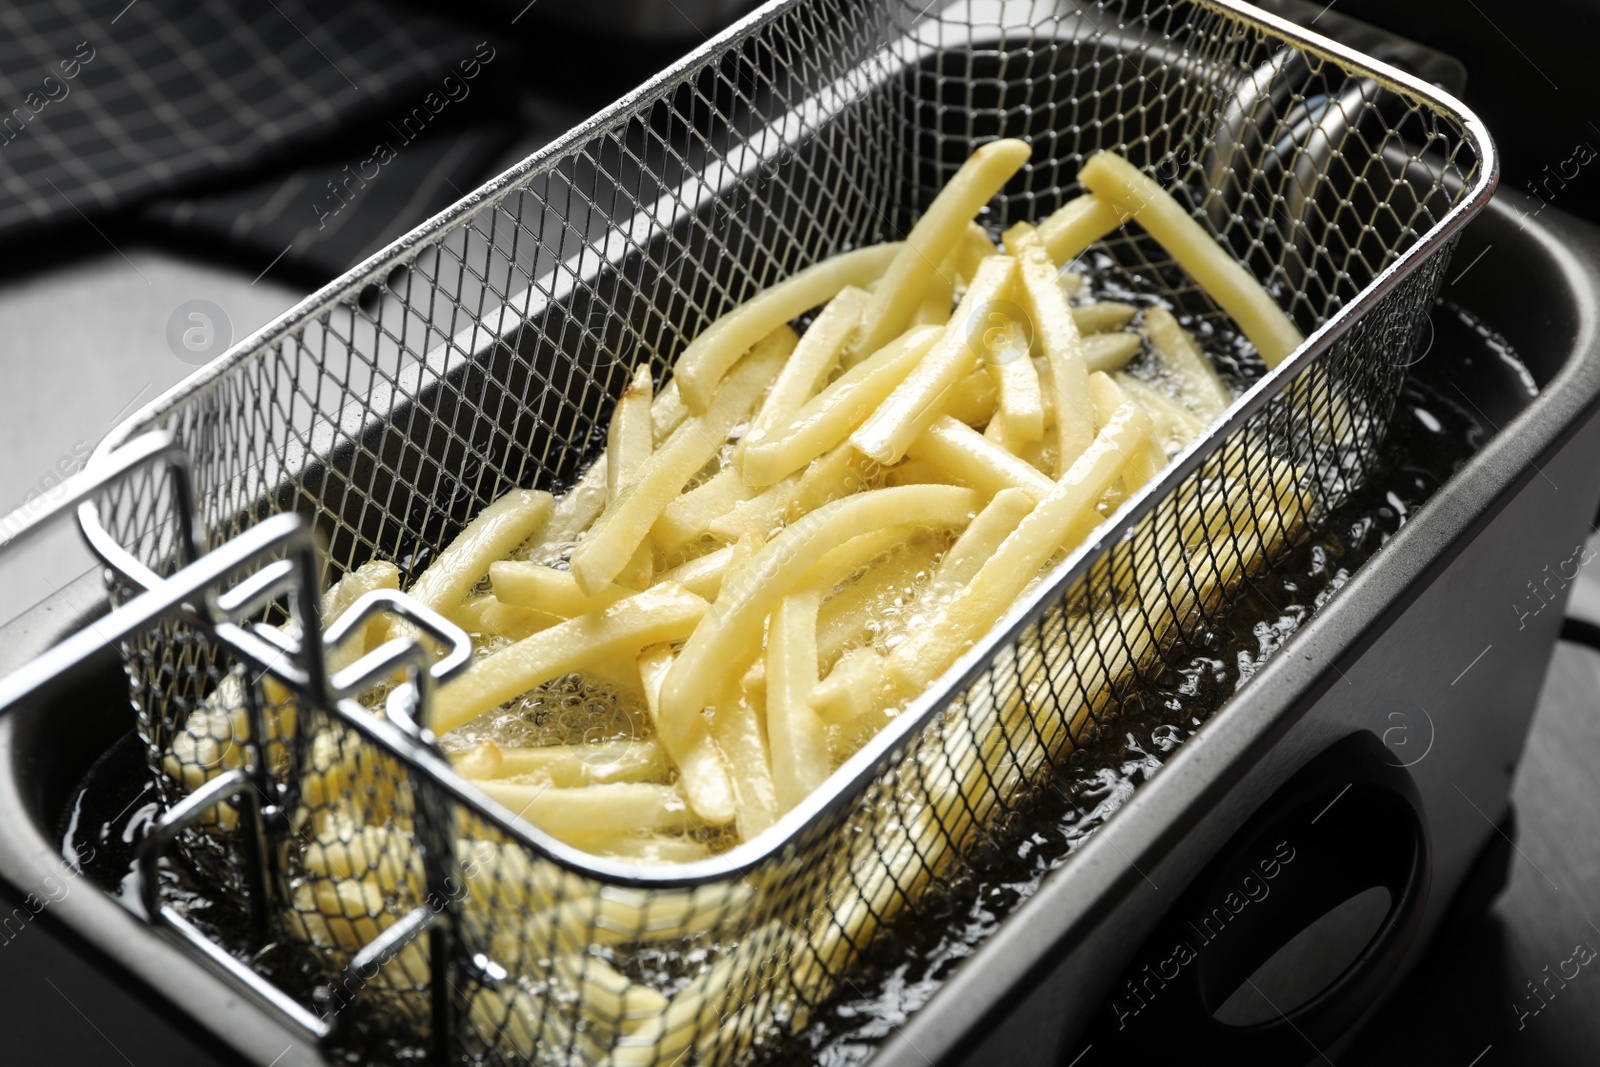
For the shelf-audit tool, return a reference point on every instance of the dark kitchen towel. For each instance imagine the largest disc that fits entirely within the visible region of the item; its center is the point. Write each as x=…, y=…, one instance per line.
x=104, y=106
x=315, y=222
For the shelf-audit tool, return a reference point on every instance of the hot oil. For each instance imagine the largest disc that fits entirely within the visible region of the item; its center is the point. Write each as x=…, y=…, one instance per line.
x=1431, y=436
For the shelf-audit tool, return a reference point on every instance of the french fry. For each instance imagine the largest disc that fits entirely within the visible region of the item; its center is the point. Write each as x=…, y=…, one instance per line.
x=1184, y=425
x=1080, y=222
x=533, y=585
x=702, y=575
x=759, y=515
x=570, y=766
x=1198, y=382
x=608, y=546
x=837, y=473
x=1021, y=402
x=703, y=775
x=727, y=639
x=916, y=400
x=814, y=358
x=972, y=248
x=736, y=729
x=582, y=504
x=492, y=535
x=1103, y=315
x=1227, y=281
x=1145, y=461
x=713, y=353
x=1062, y=519
x=488, y=616
x=845, y=694
x=631, y=437
x=974, y=400
x=616, y=807
x=652, y=848
x=965, y=456
x=933, y=237
x=846, y=615
x=831, y=415
x=1107, y=352
x=662, y=613
x=1058, y=334
x=482, y=760
x=690, y=516
x=961, y=263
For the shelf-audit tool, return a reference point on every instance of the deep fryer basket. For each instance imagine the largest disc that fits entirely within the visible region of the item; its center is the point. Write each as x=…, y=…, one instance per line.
x=481, y=352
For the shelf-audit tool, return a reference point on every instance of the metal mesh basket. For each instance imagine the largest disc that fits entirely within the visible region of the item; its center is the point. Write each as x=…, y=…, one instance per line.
x=484, y=350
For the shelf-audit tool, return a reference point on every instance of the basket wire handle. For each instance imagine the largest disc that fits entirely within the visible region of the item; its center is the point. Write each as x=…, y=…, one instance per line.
x=206, y=592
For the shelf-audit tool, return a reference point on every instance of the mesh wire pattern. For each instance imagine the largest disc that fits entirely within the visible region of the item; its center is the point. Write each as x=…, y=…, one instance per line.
x=504, y=330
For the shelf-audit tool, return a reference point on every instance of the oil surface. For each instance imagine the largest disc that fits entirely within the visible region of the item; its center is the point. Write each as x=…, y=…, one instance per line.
x=1435, y=430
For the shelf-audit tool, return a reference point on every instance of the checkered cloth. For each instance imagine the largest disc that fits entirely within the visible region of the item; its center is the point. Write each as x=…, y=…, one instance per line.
x=108, y=105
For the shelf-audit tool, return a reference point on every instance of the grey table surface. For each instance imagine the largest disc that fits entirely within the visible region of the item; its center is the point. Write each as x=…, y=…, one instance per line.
x=84, y=344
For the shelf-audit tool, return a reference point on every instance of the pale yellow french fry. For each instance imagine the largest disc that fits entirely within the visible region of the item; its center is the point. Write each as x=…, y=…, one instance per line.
x=846, y=616
x=631, y=437
x=482, y=760
x=607, y=995
x=519, y=1026
x=1074, y=226
x=533, y=585
x=1197, y=380
x=492, y=535
x=383, y=854
x=736, y=729
x=1184, y=424
x=573, y=513
x=579, y=506
x=1059, y=521
x=965, y=456
x=690, y=516
x=728, y=639
x=799, y=747
x=814, y=359
x=1144, y=462
x=856, y=678
x=1107, y=352
x=1071, y=282
x=904, y=284
x=831, y=415
x=702, y=575
x=698, y=1010
x=1057, y=332
x=486, y=616
x=652, y=848
x=760, y=515
x=665, y=612
x=974, y=400
x=702, y=772
x=914, y=472
x=1226, y=280
x=840, y=472
x=934, y=309
x=916, y=400
x=1103, y=315
x=617, y=807
x=853, y=599
x=972, y=248
x=570, y=766
x=961, y=263
x=1021, y=402
x=712, y=354
x=608, y=546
